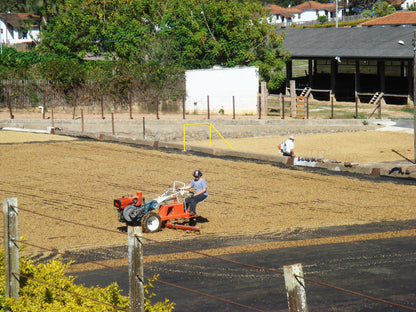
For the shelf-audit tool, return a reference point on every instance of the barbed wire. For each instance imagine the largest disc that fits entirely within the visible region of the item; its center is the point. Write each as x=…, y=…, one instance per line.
x=227, y=260
x=144, y=276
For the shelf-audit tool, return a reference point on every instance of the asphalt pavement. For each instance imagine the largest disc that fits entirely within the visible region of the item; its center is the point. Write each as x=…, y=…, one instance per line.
x=383, y=268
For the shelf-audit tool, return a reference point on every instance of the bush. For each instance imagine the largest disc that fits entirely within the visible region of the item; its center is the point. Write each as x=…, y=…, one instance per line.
x=35, y=296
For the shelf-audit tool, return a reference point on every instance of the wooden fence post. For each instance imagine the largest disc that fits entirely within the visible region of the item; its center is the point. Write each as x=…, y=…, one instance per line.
x=292, y=98
x=282, y=105
x=135, y=256
x=264, y=95
x=11, y=248
x=295, y=288
x=112, y=123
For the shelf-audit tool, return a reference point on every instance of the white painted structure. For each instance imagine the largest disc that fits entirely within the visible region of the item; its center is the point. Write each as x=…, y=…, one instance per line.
x=218, y=86
x=11, y=31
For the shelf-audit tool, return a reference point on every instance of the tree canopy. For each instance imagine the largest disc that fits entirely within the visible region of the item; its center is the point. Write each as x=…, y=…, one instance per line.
x=163, y=34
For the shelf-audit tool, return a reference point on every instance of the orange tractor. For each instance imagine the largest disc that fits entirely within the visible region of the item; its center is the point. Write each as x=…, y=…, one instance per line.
x=163, y=211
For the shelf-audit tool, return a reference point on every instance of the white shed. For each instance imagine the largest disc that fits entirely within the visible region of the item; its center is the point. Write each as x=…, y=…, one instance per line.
x=218, y=86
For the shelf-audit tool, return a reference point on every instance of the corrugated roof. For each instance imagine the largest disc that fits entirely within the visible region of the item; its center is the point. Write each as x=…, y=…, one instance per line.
x=352, y=43
x=14, y=19
x=398, y=18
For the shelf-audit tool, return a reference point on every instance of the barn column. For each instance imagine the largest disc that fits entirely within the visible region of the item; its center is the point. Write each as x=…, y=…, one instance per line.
x=334, y=71
x=357, y=77
x=381, y=70
x=310, y=73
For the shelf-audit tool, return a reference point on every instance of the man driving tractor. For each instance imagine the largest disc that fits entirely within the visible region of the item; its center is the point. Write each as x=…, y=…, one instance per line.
x=201, y=191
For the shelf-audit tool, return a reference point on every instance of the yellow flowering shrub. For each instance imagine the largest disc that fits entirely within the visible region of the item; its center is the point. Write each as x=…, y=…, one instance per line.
x=37, y=294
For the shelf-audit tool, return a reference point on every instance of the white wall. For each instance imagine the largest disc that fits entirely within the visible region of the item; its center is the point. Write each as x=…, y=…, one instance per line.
x=221, y=84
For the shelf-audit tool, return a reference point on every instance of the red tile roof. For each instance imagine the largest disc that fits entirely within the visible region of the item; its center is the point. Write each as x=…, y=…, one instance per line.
x=398, y=18
x=286, y=12
x=15, y=19
x=313, y=5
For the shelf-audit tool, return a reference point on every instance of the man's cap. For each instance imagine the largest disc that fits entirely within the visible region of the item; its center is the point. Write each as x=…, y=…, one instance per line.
x=197, y=173
x=292, y=137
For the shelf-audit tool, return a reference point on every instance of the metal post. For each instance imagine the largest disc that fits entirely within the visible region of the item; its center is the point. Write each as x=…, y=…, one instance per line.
x=208, y=106
x=11, y=248
x=414, y=92
x=130, y=109
x=157, y=107
x=82, y=120
x=295, y=288
x=102, y=106
x=233, y=107
x=44, y=105
x=356, y=105
x=144, y=129
x=52, y=115
x=183, y=107
x=135, y=256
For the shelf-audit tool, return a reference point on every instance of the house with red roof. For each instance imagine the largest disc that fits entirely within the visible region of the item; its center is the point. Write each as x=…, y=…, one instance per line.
x=19, y=30
x=304, y=13
x=400, y=18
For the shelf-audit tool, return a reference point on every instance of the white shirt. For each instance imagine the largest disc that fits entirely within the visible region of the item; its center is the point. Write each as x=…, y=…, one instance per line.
x=288, y=146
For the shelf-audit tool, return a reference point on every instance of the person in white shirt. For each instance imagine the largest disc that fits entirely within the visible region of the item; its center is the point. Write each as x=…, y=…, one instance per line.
x=287, y=147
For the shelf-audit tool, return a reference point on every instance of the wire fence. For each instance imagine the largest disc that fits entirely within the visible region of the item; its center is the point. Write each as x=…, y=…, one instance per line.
x=299, y=278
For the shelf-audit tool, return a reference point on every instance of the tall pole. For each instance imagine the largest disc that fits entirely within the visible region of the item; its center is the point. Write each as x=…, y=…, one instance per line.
x=414, y=92
x=336, y=13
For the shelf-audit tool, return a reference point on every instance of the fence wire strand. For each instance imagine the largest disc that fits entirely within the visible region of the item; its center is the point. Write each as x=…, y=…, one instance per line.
x=144, y=276
x=226, y=260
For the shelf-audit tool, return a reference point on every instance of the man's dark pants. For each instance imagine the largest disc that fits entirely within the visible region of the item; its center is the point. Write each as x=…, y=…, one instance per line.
x=190, y=202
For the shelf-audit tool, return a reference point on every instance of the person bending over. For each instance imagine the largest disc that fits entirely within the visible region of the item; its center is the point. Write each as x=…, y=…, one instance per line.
x=286, y=148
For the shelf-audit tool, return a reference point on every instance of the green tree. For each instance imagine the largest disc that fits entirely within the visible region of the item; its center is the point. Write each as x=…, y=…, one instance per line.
x=166, y=35
x=383, y=8
x=227, y=33
x=322, y=19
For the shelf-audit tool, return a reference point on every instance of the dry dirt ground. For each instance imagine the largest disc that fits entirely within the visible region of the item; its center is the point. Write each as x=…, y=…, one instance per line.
x=57, y=179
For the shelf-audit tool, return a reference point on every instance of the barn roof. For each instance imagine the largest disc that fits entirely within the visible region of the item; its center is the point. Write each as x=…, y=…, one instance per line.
x=350, y=43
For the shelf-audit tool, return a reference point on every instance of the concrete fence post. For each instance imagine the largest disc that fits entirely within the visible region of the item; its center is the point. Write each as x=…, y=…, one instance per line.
x=11, y=248
x=136, y=278
x=295, y=288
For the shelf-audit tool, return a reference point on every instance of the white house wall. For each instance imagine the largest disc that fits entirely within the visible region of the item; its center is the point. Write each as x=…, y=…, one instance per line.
x=220, y=85
x=12, y=38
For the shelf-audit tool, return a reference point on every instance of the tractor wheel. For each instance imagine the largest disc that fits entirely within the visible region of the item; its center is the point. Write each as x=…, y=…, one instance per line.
x=151, y=223
x=130, y=213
